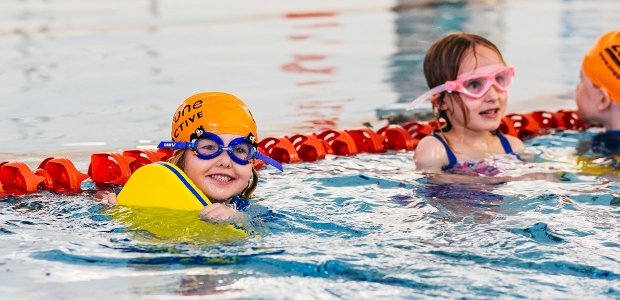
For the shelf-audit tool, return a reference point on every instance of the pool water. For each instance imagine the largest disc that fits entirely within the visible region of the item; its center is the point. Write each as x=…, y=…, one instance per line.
x=84, y=77
x=344, y=227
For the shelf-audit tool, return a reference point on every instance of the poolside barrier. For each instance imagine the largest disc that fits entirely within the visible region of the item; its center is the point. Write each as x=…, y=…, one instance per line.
x=59, y=174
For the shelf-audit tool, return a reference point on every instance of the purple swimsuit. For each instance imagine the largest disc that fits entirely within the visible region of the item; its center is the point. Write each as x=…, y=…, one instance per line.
x=482, y=167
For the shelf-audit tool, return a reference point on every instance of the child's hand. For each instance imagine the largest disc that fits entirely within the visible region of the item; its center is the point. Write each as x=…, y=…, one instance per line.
x=110, y=199
x=106, y=198
x=221, y=214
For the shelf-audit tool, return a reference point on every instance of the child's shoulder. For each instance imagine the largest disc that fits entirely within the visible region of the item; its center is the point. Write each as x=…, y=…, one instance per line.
x=430, y=154
x=515, y=143
x=429, y=142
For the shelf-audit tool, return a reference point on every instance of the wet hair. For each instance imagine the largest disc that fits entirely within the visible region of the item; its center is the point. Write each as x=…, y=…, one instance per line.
x=178, y=159
x=443, y=60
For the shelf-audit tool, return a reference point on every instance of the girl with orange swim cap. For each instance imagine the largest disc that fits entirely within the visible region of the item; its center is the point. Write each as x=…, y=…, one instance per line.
x=214, y=138
x=598, y=92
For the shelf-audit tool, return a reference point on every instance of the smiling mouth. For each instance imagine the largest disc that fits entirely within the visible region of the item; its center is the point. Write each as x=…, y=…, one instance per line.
x=490, y=111
x=221, y=178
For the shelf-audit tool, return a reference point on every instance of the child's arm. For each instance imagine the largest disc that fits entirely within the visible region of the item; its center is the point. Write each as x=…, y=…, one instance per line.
x=214, y=213
x=439, y=178
x=222, y=214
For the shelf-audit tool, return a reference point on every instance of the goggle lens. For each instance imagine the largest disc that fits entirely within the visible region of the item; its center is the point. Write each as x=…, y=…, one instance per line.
x=476, y=87
x=211, y=146
x=207, y=147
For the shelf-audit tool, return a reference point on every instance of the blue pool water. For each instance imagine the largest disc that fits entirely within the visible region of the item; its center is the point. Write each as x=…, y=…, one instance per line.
x=91, y=77
x=345, y=227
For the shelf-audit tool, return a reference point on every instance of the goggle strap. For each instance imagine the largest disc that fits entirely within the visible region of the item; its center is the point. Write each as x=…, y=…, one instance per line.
x=418, y=101
x=173, y=145
x=270, y=161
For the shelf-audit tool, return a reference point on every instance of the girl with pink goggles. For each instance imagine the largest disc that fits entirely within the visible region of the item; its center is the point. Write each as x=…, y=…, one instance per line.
x=473, y=86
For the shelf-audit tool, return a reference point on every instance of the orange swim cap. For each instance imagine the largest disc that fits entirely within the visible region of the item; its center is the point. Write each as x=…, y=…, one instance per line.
x=602, y=64
x=216, y=112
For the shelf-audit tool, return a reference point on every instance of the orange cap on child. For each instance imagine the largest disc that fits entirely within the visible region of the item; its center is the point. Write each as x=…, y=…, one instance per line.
x=216, y=112
x=602, y=64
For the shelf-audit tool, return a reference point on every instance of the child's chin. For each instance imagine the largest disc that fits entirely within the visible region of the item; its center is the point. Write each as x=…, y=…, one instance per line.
x=219, y=198
x=215, y=201
x=493, y=123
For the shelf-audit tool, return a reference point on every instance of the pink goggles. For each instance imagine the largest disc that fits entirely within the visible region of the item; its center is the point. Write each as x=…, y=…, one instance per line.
x=473, y=86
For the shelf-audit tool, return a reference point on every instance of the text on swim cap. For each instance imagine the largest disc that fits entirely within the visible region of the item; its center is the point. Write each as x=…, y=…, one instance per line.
x=189, y=113
x=614, y=57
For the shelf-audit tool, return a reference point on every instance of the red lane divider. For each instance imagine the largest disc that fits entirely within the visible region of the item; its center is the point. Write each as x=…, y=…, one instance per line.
x=18, y=179
x=309, y=147
x=340, y=142
x=367, y=140
x=143, y=157
x=525, y=125
x=64, y=177
x=280, y=149
x=110, y=168
x=418, y=130
x=3, y=193
x=569, y=119
x=48, y=183
x=59, y=174
x=397, y=138
x=546, y=120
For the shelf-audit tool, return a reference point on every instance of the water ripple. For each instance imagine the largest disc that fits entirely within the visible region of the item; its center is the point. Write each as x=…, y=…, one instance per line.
x=540, y=232
x=548, y=267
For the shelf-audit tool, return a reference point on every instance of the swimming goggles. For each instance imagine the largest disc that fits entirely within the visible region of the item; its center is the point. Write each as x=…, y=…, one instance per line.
x=473, y=86
x=210, y=145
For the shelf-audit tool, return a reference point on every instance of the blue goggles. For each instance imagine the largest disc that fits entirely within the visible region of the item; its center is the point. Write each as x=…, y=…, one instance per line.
x=210, y=145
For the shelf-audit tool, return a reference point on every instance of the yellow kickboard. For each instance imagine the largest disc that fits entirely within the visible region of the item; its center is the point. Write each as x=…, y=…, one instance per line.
x=156, y=224
x=162, y=200
x=162, y=185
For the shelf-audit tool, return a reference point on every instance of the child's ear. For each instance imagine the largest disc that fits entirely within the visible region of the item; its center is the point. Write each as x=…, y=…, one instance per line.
x=436, y=104
x=605, y=100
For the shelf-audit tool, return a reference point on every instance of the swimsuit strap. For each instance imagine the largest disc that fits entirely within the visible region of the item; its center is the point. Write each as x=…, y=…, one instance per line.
x=505, y=143
x=451, y=156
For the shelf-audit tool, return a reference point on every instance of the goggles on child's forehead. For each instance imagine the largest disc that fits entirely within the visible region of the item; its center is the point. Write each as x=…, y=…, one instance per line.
x=473, y=86
x=210, y=145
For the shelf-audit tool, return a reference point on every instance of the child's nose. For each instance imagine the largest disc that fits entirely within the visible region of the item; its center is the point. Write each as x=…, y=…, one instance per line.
x=224, y=160
x=492, y=94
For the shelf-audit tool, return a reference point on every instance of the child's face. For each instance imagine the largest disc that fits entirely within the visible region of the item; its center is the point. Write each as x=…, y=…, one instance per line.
x=486, y=112
x=219, y=178
x=586, y=95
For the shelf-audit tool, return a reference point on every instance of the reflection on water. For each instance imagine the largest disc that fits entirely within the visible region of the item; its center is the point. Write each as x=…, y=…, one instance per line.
x=545, y=41
x=315, y=70
x=419, y=24
x=209, y=284
x=111, y=72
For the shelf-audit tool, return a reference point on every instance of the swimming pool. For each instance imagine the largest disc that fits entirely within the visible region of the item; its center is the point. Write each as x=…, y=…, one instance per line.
x=365, y=226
